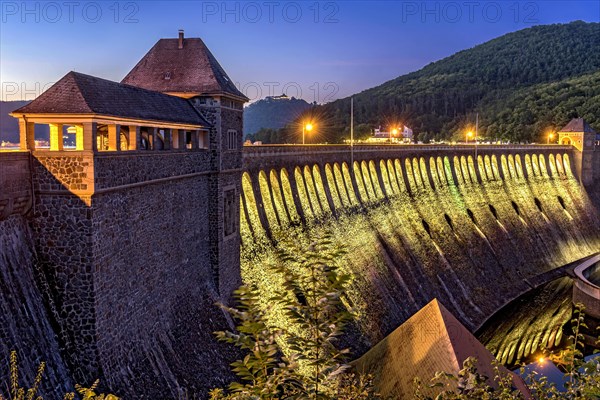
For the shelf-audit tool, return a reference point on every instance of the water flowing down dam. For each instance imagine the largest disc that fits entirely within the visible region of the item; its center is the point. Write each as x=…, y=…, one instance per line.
x=469, y=226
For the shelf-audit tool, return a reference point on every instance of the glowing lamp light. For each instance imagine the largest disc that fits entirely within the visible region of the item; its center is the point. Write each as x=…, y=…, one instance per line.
x=394, y=131
x=541, y=360
x=470, y=134
x=306, y=127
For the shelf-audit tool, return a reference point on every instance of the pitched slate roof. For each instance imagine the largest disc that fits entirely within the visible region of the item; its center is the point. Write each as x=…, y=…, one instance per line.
x=578, y=125
x=78, y=93
x=431, y=340
x=191, y=69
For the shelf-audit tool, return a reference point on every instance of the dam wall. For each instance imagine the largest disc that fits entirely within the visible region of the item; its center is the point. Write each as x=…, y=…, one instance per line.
x=419, y=222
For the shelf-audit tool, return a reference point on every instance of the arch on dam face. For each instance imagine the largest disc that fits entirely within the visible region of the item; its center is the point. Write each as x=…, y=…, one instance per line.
x=311, y=189
x=409, y=175
x=392, y=176
x=251, y=207
x=528, y=166
x=333, y=189
x=344, y=188
x=460, y=180
x=341, y=186
x=464, y=168
x=519, y=166
x=385, y=177
x=559, y=165
x=448, y=172
x=321, y=190
x=441, y=171
x=543, y=169
x=267, y=201
x=366, y=177
x=511, y=166
x=400, y=177
x=496, y=168
x=488, y=168
x=377, y=189
x=278, y=200
x=427, y=183
x=471, y=167
x=416, y=170
x=362, y=191
x=434, y=173
x=535, y=165
x=347, y=179
x=567, y=165
x=481, y=168
x=305, y=203
x=504, y=165
x=288, y=195
x=552, y=164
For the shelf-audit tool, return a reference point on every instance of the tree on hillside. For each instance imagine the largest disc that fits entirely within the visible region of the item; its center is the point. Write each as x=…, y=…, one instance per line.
x=515, y=81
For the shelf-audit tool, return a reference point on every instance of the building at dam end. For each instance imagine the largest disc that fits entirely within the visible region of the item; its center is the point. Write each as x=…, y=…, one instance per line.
x=133, y=233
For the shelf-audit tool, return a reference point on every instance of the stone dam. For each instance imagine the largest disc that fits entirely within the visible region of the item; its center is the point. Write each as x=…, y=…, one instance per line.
x=117, y=283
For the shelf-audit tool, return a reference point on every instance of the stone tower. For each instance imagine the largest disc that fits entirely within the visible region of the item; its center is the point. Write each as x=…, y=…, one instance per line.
x=580, y=135
x=186, y=68
x=136, y=218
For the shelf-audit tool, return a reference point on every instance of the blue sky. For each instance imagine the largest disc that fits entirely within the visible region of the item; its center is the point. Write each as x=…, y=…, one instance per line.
x=318, y=50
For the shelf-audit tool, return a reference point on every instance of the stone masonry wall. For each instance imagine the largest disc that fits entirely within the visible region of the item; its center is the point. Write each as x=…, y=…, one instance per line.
x=155, y=298
x=129, y=268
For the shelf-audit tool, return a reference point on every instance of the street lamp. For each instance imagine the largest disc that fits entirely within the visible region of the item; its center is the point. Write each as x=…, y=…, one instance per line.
x=469, y=135
x=550, y=137
x=307, y=127
x=393, y=132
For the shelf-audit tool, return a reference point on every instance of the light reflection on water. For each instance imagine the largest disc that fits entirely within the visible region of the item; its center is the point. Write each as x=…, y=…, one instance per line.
x=538, y=320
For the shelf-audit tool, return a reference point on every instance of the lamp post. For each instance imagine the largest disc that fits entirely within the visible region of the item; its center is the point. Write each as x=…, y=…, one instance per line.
x=469, y=135
x=307, y=127
x=550, y=137
x=393, y=132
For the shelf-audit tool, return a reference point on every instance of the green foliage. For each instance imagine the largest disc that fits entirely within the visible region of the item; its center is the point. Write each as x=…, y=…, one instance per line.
x=311, y=296
x=583, y=378
x=261, y=370
x=520, y=83
x=20, y=393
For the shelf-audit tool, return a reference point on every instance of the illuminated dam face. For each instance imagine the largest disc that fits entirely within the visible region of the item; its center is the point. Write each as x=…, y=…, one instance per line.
x=419, y=222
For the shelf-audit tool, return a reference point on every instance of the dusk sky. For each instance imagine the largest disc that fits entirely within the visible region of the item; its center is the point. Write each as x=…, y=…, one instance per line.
x=265, y=46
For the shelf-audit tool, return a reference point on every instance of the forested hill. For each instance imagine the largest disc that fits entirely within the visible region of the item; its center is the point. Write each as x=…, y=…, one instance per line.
x=272, y=113
x=440, y=99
